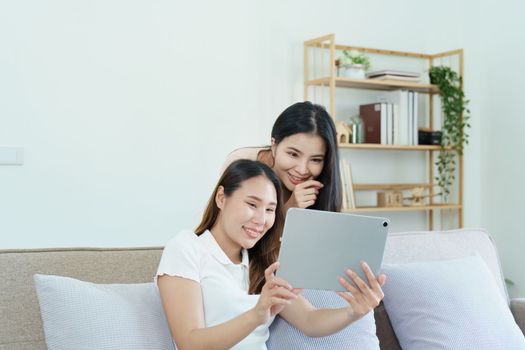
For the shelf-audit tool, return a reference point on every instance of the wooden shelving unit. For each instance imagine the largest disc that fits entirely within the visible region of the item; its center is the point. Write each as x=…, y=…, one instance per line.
x=373, y=146
x=326, y=78
x=371, y=84
x=397, y=209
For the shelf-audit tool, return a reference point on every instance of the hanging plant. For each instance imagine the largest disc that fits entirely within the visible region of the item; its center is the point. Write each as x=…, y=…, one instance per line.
x=455, y=121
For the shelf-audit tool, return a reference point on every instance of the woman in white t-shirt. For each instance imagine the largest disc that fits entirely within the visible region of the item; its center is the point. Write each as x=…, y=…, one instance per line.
x=303, y=153
x=217, y=284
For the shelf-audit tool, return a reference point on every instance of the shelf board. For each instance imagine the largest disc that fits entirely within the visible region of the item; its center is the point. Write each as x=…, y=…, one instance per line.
x=373, y=84
x=405, y=208
x=389, y=187
x=377, y=146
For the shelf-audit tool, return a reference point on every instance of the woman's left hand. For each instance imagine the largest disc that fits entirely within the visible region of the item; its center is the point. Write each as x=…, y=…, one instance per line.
x=365, y=296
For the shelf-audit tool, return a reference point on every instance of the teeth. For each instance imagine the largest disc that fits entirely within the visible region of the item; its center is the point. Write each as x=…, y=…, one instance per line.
x=252, y=232
x=297, y=178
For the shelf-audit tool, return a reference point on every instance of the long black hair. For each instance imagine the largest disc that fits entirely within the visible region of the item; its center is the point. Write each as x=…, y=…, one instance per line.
x=306, y=117
x=265, y=251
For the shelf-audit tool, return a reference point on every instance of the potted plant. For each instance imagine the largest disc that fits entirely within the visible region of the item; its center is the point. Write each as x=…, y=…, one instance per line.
x=455, y=121
x=353, y=64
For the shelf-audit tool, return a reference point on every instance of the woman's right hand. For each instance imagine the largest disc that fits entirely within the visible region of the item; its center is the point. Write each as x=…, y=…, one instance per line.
x=275, y=295
x=304, y=194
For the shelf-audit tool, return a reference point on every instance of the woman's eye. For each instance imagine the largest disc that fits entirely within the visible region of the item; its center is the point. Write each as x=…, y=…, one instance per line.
x=318, y=161
x=253, y=205
x=270, y=210
x=292, y=154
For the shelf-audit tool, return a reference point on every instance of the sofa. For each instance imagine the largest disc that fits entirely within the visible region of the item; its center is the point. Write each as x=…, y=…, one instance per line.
x=21, y=324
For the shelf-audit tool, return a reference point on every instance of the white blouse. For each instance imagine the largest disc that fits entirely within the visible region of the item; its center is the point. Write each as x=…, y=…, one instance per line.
x=224, y=284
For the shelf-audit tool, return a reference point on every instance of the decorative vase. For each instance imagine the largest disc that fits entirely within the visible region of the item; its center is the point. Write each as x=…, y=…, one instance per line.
x=356, y=71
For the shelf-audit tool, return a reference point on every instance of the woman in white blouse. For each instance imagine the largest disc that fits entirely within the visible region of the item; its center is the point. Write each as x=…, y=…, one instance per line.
x=217, y=284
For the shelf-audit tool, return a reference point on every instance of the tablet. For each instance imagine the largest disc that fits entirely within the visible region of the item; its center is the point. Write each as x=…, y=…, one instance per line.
x=318, y=246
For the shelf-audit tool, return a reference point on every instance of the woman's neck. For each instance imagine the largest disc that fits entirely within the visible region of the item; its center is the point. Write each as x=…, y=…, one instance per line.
x=228, y=246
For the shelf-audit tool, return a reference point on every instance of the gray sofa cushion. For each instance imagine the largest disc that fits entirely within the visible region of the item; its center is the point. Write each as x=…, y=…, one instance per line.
x=359, y=335
x=20, y=324
x=85, y=315
x=449, y=304
x=406, y=247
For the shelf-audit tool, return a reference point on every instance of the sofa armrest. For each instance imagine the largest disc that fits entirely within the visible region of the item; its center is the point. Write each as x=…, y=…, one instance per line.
x=517, y=306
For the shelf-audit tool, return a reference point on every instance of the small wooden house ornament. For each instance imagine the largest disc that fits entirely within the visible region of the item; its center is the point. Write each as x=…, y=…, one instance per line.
x=343, y=131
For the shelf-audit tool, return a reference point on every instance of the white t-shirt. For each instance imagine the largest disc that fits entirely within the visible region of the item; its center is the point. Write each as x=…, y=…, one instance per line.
x=224, y=284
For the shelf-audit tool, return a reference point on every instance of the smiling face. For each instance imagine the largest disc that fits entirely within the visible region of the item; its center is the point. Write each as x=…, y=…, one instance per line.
x=298, y=158
x=245, y=216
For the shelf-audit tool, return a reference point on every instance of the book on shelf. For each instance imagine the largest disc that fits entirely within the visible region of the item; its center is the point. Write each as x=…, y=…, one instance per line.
x=393, y=120
x=416, y=118
x=384, y=124
x=405, y=115
x=345, y=203
x=347, y=184
x=396, y=121
x=371, y=117
x=378, y=120
x=389, y=124
x=396, y=77
x=350, y=185
x=393, y=72
x=399, y=127
x=410, y=118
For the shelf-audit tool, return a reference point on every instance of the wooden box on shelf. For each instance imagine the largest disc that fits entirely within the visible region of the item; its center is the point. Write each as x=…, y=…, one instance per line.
x=389, y=199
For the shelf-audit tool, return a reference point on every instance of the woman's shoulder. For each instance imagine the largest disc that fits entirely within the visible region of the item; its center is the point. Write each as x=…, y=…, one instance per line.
x=246, y=153
x=181, y=256
x=243, y=153
x=184, y=240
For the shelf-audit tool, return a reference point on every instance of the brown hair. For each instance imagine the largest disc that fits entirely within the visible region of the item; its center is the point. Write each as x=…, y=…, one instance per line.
x=266, y=250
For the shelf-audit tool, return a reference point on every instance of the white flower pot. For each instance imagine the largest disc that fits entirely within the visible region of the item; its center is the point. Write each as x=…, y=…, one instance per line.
x=356, y=71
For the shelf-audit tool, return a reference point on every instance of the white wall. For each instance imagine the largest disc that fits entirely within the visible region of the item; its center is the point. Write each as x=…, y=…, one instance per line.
x=126, y=109
x=503, y=143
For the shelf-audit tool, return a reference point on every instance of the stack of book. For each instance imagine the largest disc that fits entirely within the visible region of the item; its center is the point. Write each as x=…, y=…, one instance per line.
x=393, y=120
x=347, y=183
x=390, y=74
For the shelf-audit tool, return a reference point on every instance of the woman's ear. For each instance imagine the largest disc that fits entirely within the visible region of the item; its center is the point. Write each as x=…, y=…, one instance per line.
x=273, y=147
x=220, y=197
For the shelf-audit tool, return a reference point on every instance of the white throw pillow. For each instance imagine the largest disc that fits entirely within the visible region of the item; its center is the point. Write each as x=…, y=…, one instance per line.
x=84, y=315
x=359, y=335
x=451, y=304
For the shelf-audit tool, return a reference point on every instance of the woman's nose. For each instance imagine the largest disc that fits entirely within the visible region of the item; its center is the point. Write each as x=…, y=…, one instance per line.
x=302, y=168
x=258, y=217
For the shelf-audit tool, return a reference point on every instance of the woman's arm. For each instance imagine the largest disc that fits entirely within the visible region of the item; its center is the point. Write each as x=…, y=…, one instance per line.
x=321, y=322
x=182, y=302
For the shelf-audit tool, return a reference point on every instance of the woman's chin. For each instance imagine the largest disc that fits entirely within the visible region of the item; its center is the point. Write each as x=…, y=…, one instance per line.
x=249, y=245
x=289, y=186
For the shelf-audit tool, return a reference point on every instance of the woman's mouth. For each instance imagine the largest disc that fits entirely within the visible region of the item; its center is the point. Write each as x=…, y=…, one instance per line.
x=252, y=232
x=296, y=180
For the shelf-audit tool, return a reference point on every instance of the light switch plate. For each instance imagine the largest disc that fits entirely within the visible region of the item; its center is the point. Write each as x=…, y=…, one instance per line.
x=11, y=155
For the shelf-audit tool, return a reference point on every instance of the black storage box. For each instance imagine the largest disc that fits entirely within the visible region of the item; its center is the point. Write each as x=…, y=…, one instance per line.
x=429, y=137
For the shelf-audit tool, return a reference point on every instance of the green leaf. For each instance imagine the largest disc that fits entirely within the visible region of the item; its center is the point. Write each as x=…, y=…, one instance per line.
x=455, y=116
